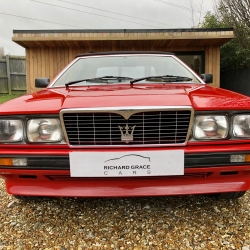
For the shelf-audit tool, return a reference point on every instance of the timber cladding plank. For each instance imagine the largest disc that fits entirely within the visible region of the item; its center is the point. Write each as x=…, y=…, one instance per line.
x=55, y=62
x=35, y=70
x=71, y=54
x=46, y=62
x=51, y=63
x=216, y=66
x=31, y=66
x=66, y=56
x=39, y=62
x=28, y=85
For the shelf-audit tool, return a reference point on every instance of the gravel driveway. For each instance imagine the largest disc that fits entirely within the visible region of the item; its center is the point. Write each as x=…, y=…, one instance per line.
x=181, y=222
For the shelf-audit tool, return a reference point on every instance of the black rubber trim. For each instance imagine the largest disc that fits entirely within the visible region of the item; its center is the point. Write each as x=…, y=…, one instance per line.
x=40, y=162
x=207, y=160
x=57, y=162
x=190, y=161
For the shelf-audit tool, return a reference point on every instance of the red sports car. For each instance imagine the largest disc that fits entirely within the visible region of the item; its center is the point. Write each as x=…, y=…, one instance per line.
x=126, y=124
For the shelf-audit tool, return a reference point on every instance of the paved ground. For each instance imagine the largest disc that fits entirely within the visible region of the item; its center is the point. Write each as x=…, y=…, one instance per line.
x=183, y=222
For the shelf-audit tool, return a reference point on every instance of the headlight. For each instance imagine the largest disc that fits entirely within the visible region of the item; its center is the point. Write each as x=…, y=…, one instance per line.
x=11, y=130
x=210, y=127
x=44, y=130
x=241, y=126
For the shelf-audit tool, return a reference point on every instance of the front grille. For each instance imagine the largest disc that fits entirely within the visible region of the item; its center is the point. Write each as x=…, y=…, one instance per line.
x=151, y=127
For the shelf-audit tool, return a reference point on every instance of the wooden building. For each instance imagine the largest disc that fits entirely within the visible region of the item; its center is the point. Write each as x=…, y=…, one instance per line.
x=49, y=51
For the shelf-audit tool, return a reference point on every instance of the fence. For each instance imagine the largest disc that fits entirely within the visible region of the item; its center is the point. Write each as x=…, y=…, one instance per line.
x=12, y=75
x=236, y=80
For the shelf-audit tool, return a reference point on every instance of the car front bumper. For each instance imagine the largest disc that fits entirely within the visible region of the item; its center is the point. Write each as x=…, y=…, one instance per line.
x=207, y=170
x=59, y=183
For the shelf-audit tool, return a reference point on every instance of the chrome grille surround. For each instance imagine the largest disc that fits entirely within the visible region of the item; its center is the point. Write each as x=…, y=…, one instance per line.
x=121, y=116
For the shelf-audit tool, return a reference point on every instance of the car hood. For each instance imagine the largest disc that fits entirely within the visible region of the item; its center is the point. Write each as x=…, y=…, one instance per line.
x=199, y=96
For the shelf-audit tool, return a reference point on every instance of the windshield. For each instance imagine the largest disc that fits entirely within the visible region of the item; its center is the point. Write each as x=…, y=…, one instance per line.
x=126, y=67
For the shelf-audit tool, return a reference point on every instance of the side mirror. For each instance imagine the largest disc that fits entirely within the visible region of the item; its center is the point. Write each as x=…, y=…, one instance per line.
x=207, y=78
x=42, y=82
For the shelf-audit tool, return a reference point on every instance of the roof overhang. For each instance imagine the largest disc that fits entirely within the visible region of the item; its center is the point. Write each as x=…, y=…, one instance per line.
x=128, y=38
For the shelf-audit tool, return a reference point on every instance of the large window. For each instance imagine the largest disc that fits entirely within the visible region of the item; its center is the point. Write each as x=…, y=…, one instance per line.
x=195, y=60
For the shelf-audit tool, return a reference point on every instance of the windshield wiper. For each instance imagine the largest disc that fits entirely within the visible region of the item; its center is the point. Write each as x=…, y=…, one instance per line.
x=164, y=78
x=103, y=78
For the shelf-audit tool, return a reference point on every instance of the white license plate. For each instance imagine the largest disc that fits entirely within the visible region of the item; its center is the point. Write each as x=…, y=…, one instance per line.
x=122, y=164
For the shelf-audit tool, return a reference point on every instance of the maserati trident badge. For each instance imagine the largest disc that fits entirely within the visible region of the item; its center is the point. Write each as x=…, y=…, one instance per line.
x=127, y=137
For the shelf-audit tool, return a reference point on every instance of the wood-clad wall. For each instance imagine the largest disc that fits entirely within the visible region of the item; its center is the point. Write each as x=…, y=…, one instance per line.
x=48, y=62
x=212, y=64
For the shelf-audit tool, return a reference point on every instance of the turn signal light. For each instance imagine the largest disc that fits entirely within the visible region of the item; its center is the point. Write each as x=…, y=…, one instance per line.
x=240, y=158
x=13, y=162
x=247, y=158
x=6, y=162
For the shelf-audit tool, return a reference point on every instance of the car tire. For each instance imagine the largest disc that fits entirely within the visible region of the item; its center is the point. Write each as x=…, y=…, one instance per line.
x=229, y=195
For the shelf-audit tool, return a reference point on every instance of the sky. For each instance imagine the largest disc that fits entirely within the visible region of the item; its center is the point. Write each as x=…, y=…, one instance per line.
x=96, y=14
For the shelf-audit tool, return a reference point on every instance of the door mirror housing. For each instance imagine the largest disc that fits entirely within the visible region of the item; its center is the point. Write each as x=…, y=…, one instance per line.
x=42, y=82
x=207, y=78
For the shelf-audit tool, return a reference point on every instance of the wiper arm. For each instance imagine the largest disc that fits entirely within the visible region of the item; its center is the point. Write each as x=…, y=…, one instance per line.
x=119, y=78
x=73, y=82
x=164, y=78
